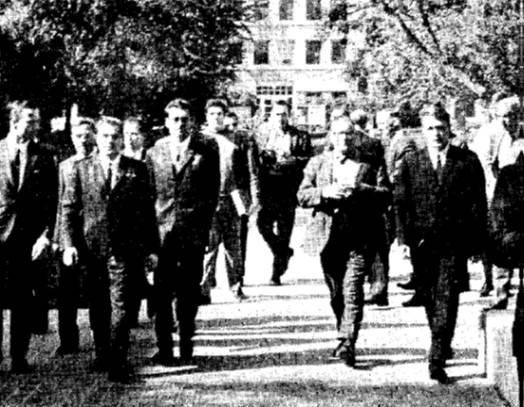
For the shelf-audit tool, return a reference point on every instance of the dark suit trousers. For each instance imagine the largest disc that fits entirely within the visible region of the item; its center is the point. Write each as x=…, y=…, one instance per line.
x=19, y=296
x=442, y=293
x=344, y=272
x=68, y=298
x=275, y=223
x=180, y=273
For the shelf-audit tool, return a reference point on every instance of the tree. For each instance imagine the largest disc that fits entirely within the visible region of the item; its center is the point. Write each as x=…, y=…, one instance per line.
x=420, y=49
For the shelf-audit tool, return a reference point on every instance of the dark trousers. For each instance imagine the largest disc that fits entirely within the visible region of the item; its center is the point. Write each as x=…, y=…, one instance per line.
x=275, y=223
x=344, y=272
x=18, y=295
x=179, y=274
x=112, y=291
x=68, y=298
x=442, y=289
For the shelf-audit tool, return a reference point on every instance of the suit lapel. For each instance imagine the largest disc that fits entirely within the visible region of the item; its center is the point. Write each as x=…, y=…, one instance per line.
x=32, y=157
x=188, y=156
x=6, y=161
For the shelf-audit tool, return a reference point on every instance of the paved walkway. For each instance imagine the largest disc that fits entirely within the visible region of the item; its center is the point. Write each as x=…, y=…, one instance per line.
x=272, y=350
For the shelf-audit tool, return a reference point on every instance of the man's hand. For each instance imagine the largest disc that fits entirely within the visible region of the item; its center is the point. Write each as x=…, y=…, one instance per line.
x=70, y=257
x=40, y=247
x=336, y=192
x=151, y=263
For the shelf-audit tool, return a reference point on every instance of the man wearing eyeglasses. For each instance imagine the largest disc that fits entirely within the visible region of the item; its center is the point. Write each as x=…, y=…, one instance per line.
x=185, y=172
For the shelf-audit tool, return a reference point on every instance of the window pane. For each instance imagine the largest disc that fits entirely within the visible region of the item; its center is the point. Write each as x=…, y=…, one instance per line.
x=261, y=56
x=313, y=52
x=338, y=52
x=260, y=9
x=285, y=51
x=236, y=52
x=313, y=10
x=286, y=10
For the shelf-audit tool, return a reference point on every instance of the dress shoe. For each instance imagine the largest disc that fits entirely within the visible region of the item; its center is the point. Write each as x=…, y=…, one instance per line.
x=379, y=300
x=186, y=350
x=486, y=289
x=238, y=292
x=123, y=374
x=415, y=301
x=66, y=350
x=21, y=367
x=439, y=374
x=163, y=359
x=275, y=281
x=344, y=351
x=409, y=285
x=499, y=305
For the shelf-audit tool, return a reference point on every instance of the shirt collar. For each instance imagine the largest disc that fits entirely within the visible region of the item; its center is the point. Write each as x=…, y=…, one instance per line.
x=115, y=163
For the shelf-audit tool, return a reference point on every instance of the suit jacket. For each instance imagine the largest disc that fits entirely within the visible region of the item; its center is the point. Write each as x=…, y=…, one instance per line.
x=186, y=199
x=358, y=219
x=119, y=222
x=249, y=164
x=506, y=218
x=282, y=177
x=28, y=212
x=450, y=217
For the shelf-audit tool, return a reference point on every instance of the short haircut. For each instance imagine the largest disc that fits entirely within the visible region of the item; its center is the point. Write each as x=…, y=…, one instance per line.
x=437, y=111
x=216, y=103
x=112, y=121
x=17, y=106
x=359, y=117
x=282, y=103
x=84, y=121
x=179, y=103
x=231, y=115
x=343, y=118
x=135, y=120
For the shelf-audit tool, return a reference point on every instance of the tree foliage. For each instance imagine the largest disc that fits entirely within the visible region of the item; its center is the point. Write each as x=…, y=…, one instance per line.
x=420, y=49
x=117, y=56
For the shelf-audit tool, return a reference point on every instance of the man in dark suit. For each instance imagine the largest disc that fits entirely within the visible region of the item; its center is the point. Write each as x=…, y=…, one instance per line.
x=28, y=190
x=108, y=209
x=348, y=189
x=440, y=205
x=69, y=278
x=284, y=152
x=185, y=171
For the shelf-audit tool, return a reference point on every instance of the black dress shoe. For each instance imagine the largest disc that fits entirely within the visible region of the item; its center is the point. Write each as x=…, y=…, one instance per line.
x=349, y=359
x=275, y=281
x=381, y=301
x=66, y=350
x=409, y=285
x=486, y=289
x=415, y=301
x=21, y=367
x=439, y=374
x=204, y=299
x=122, y=375
x=339, y=353
x=499, y=305
x=164, y=359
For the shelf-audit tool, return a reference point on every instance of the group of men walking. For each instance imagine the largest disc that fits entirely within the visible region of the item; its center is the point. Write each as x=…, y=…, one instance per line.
x=123, y=217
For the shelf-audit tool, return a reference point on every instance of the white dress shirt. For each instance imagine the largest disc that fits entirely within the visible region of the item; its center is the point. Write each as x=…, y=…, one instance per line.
x=178, y=151
x=114, y=165
x=436, y=156
x=13, y=148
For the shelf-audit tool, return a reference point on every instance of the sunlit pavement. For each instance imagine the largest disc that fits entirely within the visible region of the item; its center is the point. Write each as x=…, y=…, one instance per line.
x=273, y=349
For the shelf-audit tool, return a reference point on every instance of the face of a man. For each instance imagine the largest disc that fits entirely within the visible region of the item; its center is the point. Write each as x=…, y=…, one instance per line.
x=83, y=139
x=280, y=115
x=215, y=118
x=510, y=120
x=340, y=136
x=178, y=122
x=133, y=137
x=231, y=124
x=27, y=125
x=109, y=140
x=436, y=132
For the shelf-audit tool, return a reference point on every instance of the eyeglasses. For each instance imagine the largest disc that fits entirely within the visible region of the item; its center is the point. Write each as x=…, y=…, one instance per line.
x=183, y=119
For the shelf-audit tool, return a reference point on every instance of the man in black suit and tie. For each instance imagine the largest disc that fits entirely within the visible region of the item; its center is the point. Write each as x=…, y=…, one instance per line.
x=28, y=190
x=107, y=208
x=440, y=205
x=70, y=278
x=184, y=167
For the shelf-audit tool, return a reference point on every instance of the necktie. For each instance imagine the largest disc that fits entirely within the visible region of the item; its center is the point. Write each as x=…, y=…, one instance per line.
x=439, y=169
x=109, y=179
x=15, y=169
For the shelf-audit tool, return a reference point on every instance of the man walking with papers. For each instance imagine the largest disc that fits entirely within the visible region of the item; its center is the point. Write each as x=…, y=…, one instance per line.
x=348, y=188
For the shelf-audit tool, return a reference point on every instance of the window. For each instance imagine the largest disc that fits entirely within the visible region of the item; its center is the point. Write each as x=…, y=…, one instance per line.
x=338, y=52
x=313, y=52
x=285, y=51
x=235, y=50
x=260, y=10
x=286, y=10
x=261, y=55
x=313, y=10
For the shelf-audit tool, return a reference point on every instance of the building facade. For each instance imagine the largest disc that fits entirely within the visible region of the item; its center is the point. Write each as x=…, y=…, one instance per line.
x=290, y=56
